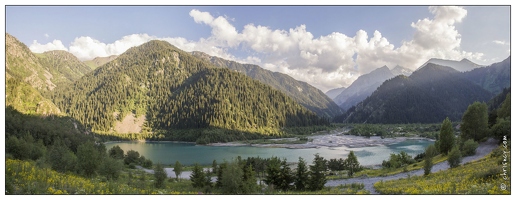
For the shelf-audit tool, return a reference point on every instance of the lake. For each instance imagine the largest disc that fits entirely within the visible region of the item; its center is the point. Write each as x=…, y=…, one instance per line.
x=189, y=153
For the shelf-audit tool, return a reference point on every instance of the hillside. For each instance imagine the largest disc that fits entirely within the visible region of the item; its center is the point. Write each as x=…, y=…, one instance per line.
x=175, y=90
x=429, y=95
x=64, y=67
x=22, y=64
x=25, y=99
x=493, y=78
x=303, y=93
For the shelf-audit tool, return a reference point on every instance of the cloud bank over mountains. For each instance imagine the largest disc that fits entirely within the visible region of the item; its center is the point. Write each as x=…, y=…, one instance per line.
x=326, y=62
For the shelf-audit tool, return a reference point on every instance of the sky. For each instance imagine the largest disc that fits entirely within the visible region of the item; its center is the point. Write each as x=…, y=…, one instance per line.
x=325, y=46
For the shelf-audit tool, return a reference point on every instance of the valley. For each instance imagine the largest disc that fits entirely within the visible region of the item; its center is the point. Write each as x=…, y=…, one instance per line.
x=244, y=112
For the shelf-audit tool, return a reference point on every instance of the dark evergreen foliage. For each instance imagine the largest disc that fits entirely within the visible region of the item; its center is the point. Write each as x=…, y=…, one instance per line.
x=427, y=96
x=301, y=92
x=176, y=91
x=317, y=170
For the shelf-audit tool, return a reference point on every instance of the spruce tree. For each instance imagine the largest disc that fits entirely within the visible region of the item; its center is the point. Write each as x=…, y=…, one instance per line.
x=285, y=178
x=302, y=176
x=317, y=177
x=352, y=164
x=198, y=177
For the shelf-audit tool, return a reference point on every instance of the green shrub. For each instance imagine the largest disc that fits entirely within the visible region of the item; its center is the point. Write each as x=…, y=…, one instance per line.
x=469, y=147
x=454, y=157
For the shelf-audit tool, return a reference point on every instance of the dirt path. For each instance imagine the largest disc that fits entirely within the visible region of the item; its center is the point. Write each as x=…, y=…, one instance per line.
x=482, y=150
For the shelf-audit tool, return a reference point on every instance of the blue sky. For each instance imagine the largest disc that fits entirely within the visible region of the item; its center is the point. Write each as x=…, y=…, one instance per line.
x=326, y=46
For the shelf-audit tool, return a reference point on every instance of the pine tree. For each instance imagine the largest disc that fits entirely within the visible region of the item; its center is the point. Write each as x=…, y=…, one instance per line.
x=302, y=176
x=273, y=172
x=198, y=177
x=352, y=164
x=317, y=177
x=285, y=178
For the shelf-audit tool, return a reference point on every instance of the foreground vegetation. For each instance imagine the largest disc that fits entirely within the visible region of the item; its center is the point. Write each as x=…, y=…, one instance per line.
x=480, y=177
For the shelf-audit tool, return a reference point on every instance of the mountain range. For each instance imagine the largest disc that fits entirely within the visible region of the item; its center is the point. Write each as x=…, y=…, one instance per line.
x=463, y=65
x=158, y=87
x=429, y=95
x=365, y=85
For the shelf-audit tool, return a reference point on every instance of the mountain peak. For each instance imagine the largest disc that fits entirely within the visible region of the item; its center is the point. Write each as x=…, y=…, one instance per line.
x=399, y=70
x=462, y=66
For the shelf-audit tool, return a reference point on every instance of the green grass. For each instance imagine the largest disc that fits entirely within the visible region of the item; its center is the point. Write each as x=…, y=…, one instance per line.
x=479, y=177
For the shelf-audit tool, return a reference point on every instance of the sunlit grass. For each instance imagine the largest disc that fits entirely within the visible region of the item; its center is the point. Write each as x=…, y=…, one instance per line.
x=479, y=177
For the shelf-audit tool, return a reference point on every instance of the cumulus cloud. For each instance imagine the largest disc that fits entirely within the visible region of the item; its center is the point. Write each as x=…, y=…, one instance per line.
x=87, y=48
x=336, y=59
x=327, y=62
x=36, y=47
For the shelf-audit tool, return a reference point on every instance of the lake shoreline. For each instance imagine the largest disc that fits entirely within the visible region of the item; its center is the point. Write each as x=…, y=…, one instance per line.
x=329, y=140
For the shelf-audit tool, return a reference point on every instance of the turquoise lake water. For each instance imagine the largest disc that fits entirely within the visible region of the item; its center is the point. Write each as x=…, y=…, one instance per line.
x=189, y=153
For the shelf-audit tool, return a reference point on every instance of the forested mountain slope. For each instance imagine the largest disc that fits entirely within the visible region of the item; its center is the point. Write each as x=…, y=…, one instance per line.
x=493, y=78
x=303, y=93
x=175, y=90
x=429, y=95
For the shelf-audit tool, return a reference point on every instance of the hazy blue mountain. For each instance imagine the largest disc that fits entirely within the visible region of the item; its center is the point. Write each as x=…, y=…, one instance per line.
x=361, y=88
x=399, y=70
x=334, y=92
x=462, y=66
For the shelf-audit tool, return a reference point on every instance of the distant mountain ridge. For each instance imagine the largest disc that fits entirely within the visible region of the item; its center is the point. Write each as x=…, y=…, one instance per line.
x=463, y=65
x=302, y=92
x=399, y=70
x=99, y=61
x=64, y=66
x=364, y=86
x=334, y=92
x=429, y=95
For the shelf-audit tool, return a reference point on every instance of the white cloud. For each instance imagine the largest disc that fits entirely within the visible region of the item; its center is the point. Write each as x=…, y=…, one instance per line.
x=87, y=48
x=36, y=47
x=327, y=62
x=500, y=42
x=46, y=35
